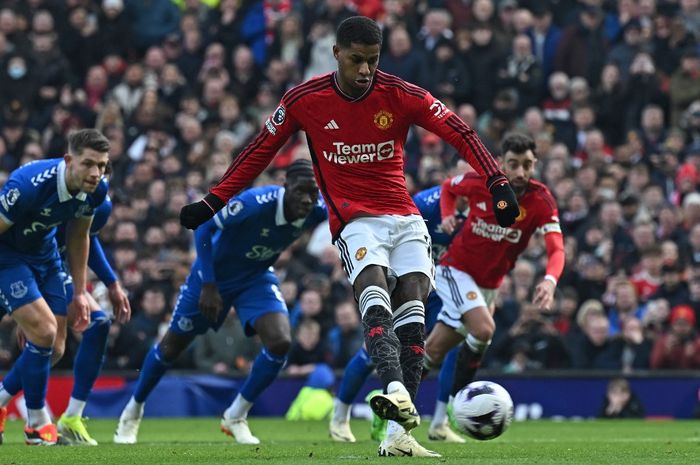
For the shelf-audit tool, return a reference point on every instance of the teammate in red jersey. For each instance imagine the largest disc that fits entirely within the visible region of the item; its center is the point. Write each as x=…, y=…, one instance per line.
x=356, y=121
x=480, y=256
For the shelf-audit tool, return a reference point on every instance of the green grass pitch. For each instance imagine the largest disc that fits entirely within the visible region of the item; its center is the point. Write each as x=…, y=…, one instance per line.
x=198, y=441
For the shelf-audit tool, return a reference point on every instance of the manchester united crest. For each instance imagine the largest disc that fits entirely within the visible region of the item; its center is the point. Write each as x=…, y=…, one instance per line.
x=471, y=295
x=361, y=252
x=383, y=119
x=502, y=205
x=523, y=213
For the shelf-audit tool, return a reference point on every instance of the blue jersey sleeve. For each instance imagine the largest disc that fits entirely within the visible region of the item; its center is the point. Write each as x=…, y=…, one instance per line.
x=101, y=217
x=97, y=261
x=203, y=241
x=238, y=209
x=319, y=213
x=16, y=201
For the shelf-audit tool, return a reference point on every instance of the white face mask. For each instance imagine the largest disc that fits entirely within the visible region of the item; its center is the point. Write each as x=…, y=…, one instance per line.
x=17, y=71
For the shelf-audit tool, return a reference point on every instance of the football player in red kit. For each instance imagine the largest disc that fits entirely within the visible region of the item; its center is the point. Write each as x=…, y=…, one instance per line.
x=480, y=256
x=356, y=121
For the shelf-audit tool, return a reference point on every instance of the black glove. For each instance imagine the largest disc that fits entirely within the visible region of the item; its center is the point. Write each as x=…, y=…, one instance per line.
x=505, y=205
x=194, y=214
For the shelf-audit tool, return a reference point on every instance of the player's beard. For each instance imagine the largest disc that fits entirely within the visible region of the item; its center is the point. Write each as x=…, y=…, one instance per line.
x=519, y=186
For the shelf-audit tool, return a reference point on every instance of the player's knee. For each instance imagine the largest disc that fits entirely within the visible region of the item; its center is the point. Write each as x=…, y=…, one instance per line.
x=413, y=286
x=483, y=331
x=169, y=352
x=42, y=335
x=434, y=354
x=280, y=345
x=59, y=348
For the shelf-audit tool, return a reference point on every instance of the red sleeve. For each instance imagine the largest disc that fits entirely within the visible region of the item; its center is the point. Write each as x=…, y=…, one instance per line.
x=434, y=116
x=458, y=186
x=448, y=199
x=555, y=254
x=258, y=154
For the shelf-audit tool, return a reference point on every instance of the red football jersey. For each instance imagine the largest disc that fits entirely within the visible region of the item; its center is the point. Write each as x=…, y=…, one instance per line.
x=356, y=144
x=485, y=250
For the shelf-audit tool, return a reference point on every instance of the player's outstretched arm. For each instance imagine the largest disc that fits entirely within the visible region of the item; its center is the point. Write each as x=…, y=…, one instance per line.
x=194, y=214
x=245, y=167
x=544, y=292
x=97, y=262
x=77, y=249
x=434, y=116
x=210, y=302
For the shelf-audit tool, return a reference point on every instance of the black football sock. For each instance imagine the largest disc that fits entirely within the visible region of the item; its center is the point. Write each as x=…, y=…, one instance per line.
x=382, y=344
x=468, y=362
x=409, y=325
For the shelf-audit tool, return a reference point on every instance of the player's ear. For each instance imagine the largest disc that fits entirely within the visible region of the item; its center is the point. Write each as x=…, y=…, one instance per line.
x=336, y=51
x=67, y=157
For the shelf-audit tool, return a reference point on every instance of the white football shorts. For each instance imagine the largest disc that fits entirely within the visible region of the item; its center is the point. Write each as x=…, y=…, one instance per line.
x=399, y=243
x=459, y=294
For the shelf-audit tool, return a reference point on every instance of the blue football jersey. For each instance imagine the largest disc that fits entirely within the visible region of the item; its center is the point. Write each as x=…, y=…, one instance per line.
x=250, y=233
x=100, y=219
x=35, y=200
x=428, y=202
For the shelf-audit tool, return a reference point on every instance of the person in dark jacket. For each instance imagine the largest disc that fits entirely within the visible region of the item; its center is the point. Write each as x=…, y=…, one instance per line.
x=620, y=401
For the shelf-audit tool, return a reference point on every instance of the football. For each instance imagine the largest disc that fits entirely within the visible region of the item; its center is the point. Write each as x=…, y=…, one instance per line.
x=483, y=410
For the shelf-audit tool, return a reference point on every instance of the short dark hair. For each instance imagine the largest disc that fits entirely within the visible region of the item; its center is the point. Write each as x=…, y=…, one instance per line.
x=87, y=139
x=301, y=168
x=359, y=30
x=517, y=142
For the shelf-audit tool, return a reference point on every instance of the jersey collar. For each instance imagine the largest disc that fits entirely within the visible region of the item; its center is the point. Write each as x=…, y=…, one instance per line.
x=280, y=220
x=62, y=187
x=347, y=97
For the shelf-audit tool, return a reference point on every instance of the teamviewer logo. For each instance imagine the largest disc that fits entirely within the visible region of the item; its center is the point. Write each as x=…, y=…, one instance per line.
x=385, y=150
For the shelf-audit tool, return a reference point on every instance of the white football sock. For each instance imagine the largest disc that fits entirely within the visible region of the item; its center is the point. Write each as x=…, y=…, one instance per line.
x=75, y=408
x=238, y=409
x=341, y=411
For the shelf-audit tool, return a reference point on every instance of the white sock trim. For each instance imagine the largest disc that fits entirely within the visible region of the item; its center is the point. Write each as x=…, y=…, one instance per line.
x=476, y=345
x=374, y=295
x=5, y=397
x=412, y=311
x=341, y=411
x=75, y=408
x=239, y=408
x=36, y=418
x=440, y=415
x=396, y=386
x=393, y=429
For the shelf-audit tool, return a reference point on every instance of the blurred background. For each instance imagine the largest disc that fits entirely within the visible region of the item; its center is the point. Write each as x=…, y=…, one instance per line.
x=610, y=91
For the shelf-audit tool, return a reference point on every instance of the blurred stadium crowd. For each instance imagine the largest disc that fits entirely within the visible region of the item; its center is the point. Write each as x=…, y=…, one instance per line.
x=610, y=91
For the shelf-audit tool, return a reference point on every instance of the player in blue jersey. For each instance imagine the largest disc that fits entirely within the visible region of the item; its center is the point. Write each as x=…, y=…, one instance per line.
x=235, y=252
x=36, y=199
x=90, y=356
x=361, y=366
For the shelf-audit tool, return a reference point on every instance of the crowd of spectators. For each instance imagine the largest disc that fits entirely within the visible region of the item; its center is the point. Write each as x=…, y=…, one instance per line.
x=609, y=90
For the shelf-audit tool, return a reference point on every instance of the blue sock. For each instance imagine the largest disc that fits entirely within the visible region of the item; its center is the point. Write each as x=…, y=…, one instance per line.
x=12, y=382
x=264, y=371
x=446, y=375
x=34, y=365
x=355, y=375
x=153, y=369
x=88, y=361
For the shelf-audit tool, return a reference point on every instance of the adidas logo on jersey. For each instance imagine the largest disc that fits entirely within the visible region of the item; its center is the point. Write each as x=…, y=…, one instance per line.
x=331, y=125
